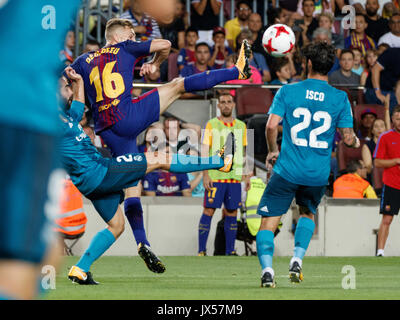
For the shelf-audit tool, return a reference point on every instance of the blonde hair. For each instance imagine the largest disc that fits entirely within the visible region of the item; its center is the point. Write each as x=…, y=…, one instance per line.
x=328, y=15
x=114, y=24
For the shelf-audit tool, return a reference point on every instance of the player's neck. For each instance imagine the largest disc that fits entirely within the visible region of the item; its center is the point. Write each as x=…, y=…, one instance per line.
x=317, y=76
x=226, y=119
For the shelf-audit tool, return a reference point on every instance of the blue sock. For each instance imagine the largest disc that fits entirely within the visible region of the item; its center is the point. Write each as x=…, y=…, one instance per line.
x=230, y=228
x=304, y=231
x=99, y=244
x=5, y=297
x=204, y=229
x=134, y=214
x=265, y=248
x=182, y=163
x=207, y=80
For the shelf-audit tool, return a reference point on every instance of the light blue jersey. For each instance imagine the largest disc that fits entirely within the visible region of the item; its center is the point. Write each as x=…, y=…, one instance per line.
x=311, y=112
x=85, y=165
x=32, y=34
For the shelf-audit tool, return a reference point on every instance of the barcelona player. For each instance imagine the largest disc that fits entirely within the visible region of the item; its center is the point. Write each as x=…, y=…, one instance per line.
x=28, y=130
x=102, y=179
x=108, y=76
x=311, y=111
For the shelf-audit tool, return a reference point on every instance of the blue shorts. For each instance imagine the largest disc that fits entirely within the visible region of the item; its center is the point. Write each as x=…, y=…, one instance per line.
x=230, y=194
x=123, y=172
x=27, y=161
x=279, y=193
x=139, y=115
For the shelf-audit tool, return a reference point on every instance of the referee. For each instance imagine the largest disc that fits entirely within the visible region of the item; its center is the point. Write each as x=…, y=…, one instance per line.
x=387, y=156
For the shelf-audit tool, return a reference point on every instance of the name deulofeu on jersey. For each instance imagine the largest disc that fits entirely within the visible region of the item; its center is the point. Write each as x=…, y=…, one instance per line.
x=98, y=53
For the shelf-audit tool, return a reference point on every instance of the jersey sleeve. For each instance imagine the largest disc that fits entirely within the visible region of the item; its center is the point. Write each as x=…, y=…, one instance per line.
x=346, y=116
x=369, y=193
x=76, y=111
x=184, y=181
x=278, y=106
x=181, y=57
x=138, y=49
x=207, y=135
x=148, y=183
x=380, y=149
x=244, y=136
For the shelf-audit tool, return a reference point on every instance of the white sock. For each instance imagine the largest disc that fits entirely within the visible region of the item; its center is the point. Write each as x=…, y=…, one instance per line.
x=268, y=269
x=299, y=261
x=380, y=252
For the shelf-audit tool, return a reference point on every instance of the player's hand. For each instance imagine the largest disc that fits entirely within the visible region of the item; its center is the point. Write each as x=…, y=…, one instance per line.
x=147, y=69
x=71, y=73
x=207, y=182
x=271, y=159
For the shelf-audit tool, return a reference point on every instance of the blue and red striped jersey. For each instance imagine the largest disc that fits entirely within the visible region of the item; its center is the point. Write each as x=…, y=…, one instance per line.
x=108, y=77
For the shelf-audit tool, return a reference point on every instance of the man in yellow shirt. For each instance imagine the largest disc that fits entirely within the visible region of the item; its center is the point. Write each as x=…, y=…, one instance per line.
x=353, y=184
x=234, y=26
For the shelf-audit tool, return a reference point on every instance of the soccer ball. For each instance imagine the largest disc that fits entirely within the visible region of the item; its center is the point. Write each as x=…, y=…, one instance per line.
x=278, y=40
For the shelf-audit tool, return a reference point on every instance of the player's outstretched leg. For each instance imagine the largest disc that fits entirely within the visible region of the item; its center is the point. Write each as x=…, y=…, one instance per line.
x=152, y=262
x=304, y=231
x=103, y=240
x=171, y=91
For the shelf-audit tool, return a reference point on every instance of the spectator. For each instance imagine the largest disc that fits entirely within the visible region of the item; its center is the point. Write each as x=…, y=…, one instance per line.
x=164, y=183
x=67, y=55
x=388, y=157
x=358, y=38
x=223, y=187
x=187, y=54
x=392, y=38
x=368, y=116
x=196, y=179
x=182, y=13
x=384, y=76
x=175, y=32
x=219, y=52
x=370, y=59
x=205, y=17
x=325, y=21
x=257, y=60
x=357, y=67
x=304, y=28
x=181, y=141
x=390, y=9
x=353, y=184
x=322, y=35
x=255, y=74
x=234, y=26
x=256, y=27
x=145, y=27
x=377, y=26
x=91, y=45
x=282, y=71
x=321, y=6
x=378, y=127
x=344, y=76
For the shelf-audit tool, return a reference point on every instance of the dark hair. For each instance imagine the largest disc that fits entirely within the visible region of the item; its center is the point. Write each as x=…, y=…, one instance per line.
x=353, y=166
x=191, y=29
x=344, y=51
x=362, y=15
x=358, y=49
x=202, y=44
x=242, y=2
x=279, y=63
x=396, y=109
x=273, y=14
x=322, y=56
x=302, y=3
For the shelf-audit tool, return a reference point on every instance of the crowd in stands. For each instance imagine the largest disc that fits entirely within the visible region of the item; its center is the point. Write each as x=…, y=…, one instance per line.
x=367, y=55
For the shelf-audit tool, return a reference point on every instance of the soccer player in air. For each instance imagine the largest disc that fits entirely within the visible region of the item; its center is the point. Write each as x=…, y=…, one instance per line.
x=311, y=111
x=102, y=179
x=29, y=169
x=119, y=119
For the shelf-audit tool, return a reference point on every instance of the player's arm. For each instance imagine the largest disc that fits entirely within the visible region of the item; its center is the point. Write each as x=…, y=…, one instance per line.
x=387, y=163
x=349, y=138
x=161, y=47
x=271, y=135
x=78, y=104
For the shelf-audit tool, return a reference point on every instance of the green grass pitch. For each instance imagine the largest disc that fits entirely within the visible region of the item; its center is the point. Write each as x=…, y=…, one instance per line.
x=235, y=278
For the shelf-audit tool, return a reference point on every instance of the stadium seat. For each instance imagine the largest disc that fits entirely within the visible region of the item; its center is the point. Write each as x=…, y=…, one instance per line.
x=359, y=108
x=346, y=154
x=349, y=95
x=173, y=71
x=251, y=101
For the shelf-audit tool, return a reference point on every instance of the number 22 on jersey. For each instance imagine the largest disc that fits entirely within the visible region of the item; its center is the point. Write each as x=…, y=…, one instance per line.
x=313, y=141
x=112, y=84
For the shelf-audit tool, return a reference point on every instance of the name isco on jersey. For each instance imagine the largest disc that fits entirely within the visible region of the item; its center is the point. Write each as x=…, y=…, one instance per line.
x=315, y=95
x=98, y=53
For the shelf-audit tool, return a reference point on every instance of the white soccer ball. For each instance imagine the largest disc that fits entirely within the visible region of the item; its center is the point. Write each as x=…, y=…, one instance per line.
x=278, y=40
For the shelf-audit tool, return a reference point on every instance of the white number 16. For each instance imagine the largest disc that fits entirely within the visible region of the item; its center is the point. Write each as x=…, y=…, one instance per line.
x=313, y=141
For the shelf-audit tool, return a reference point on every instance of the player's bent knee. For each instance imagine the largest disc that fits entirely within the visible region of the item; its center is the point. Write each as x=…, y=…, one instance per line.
x=209, y=211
